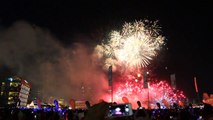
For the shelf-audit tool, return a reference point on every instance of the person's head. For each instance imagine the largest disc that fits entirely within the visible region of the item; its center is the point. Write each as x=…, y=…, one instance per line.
x=158, y=105
x=139, y=103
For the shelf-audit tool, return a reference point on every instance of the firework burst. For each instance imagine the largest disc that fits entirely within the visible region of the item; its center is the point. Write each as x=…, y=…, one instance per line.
x=133, y=47
x=132, y=88
x=132, y=50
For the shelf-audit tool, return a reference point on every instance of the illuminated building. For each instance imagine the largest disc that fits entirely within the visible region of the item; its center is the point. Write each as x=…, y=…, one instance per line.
x=14, y=91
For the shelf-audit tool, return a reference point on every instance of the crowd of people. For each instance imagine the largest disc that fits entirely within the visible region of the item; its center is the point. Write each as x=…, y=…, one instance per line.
x=99, y=112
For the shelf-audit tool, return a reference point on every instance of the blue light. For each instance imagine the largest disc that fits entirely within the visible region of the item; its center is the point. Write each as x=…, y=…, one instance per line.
x=59, y=109
x=10, y=79
x=35, y=109
x=47, y=109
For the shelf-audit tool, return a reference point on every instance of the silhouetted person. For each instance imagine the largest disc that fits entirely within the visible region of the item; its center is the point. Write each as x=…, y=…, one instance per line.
x=69, y=115
x=158, y=105
x=175, y=106
x=208, y=112
x=190, y=105
x=139, y=104
x=185, y=115
x=140, y=114
x=87, y=104
x=114, y=103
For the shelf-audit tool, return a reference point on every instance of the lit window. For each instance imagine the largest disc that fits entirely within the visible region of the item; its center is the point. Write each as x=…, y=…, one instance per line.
x=12, y=102
x=3, y=84
x=10, y=98
x=13, y=93
x=13, y=84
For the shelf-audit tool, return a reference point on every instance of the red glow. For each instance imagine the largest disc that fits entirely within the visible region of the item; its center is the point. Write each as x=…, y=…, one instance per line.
x=158, y=91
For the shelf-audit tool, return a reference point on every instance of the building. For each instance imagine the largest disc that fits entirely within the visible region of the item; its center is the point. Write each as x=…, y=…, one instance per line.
x=14, y=91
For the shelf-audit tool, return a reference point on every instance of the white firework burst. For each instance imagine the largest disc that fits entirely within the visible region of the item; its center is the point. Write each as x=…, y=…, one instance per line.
x=134, y=46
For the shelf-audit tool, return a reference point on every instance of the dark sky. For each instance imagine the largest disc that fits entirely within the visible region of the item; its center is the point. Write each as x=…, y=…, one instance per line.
x=187, y=27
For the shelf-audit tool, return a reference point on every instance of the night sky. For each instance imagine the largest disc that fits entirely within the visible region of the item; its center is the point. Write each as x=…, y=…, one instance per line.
x=188, y=29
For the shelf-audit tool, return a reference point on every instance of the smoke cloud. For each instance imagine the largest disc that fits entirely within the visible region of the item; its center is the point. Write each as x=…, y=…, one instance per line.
x=52, y=70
